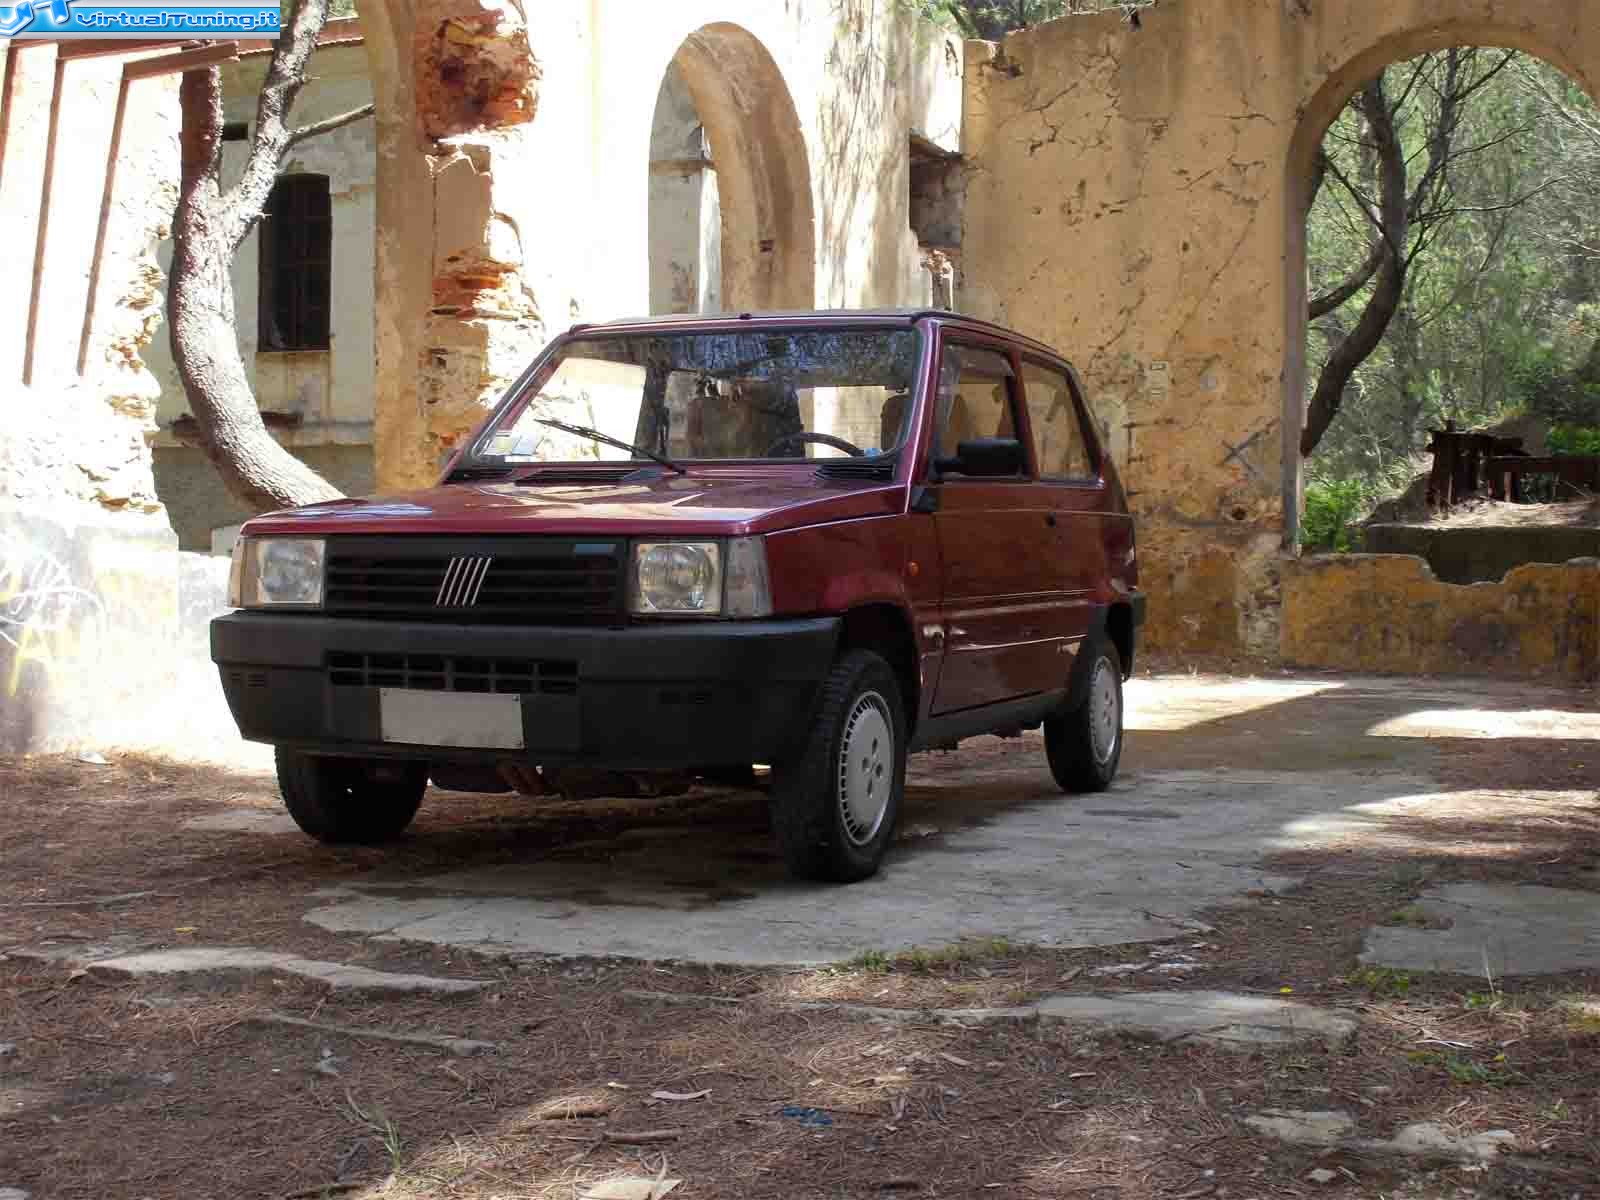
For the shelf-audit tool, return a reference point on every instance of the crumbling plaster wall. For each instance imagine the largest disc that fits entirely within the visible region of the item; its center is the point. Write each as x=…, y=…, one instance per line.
x=93, y=645
x=1386, y=613
x=506, y=218
x=1136, y=198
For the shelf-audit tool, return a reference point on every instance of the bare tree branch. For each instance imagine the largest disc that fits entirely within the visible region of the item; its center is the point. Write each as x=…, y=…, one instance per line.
x=329, y=124
x=286, y=73
x=1355, y=348
x=1352, y=283
x=1319, y=172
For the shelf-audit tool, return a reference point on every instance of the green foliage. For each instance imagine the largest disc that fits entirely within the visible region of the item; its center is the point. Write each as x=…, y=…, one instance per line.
x=874, y=962
x=336, y=9
x=1466, y=1070
x=1574, y=439
x=1411, y=915
x=1501, y=309
x=1332, y=508
x=991, y=20
x=920, y=961
x=1383, y=981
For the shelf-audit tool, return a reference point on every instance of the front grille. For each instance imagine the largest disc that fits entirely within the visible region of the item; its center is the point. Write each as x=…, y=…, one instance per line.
x=446, y=673
x=477, y=580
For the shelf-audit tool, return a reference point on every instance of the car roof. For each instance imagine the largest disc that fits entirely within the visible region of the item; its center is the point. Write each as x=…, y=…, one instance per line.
x=854, y=316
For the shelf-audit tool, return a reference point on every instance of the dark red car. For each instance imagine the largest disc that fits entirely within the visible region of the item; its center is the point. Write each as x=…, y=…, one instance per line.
x=693, y=544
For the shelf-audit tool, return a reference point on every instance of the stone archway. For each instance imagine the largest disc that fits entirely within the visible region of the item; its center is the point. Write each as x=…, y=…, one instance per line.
x=762, y=171
x=1531, y=32
x=1135, y=197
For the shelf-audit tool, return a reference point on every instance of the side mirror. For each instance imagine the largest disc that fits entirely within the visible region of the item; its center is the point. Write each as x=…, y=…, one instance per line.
x=985, y=457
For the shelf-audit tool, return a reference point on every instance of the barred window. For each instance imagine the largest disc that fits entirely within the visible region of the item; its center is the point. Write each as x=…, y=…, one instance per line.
x=296, y=253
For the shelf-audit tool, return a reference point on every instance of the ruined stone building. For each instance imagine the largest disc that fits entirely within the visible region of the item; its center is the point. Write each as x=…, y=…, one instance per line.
x=1132, y=196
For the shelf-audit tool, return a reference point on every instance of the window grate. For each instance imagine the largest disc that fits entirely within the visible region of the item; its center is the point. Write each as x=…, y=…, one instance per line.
x=295, y=267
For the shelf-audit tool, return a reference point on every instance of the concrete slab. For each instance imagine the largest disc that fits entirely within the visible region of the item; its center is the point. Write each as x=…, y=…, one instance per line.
x=80, y=953
x=1138, y=863
x=1424, y=1140
x=1427, y=1140
x=1299, y=1127
x=1219, y=1018
x=226, y=960
x=244, y=820
x=1220, y=774
x=1506, y=929
x=1224, y=1019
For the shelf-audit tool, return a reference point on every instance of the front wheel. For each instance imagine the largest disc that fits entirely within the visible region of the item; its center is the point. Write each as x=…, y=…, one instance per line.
x=1084, y=744
x=350, y=800
x=834, y=808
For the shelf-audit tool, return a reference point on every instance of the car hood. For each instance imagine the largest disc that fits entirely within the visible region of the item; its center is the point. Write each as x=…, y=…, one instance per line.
x=677, y=504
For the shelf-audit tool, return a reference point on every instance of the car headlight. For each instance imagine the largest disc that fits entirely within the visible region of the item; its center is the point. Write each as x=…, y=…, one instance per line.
x=701, y=579
x=272, y=572
x=677, y=577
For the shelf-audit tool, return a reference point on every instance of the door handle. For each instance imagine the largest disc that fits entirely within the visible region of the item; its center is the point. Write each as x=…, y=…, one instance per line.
x=1050, y=519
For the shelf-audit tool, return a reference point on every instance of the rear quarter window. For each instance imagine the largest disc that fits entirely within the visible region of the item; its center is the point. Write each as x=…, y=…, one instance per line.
x=1062, y=447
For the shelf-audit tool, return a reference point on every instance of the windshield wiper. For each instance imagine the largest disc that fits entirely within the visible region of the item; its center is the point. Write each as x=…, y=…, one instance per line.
x=606, y=439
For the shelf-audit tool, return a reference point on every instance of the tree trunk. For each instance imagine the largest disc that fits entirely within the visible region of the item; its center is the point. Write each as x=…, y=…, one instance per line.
x=1393, y=204
x=205, y=344
x=1410, y=377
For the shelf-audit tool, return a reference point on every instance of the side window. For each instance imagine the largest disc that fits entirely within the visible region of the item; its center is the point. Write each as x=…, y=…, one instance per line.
x=977, y=392
x=1057, y=431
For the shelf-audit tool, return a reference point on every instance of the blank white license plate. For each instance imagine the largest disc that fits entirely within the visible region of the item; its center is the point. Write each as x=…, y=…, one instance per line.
x=482, y=721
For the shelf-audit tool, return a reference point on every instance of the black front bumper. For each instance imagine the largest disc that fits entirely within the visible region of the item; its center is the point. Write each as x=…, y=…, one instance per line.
x=712, y=694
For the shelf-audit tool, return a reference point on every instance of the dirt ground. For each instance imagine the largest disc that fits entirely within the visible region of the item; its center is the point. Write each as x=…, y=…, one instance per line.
x=1583, y=512
x=166, y=1089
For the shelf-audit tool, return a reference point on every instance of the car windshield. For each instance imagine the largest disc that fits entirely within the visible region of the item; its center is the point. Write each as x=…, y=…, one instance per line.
x=767, y=394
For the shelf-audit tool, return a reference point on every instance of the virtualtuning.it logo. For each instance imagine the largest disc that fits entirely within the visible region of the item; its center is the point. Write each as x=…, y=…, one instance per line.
x=34, y=15
x=158, y=20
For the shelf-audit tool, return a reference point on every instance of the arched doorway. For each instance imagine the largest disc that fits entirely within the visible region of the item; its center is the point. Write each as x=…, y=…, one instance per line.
x=731, y=222
x=1317, y=118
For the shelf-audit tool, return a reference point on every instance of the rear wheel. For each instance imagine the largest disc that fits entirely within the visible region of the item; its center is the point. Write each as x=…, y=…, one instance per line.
x=1084, y=744
x=350, y=800
x=835, y=807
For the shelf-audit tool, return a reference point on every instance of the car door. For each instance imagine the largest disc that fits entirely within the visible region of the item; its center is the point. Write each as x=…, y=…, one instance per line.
x=1067, y=462
x=1002, y=617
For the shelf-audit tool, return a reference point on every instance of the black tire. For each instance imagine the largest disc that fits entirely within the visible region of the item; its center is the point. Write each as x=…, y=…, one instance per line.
x=817, y=802
x=350, y=800
x=1075, y=740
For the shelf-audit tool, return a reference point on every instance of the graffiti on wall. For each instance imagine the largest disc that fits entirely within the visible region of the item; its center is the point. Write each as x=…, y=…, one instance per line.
x=45, y=619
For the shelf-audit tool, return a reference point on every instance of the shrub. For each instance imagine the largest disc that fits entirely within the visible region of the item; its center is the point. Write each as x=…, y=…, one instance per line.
x=1332, y=507
x=1573, y=439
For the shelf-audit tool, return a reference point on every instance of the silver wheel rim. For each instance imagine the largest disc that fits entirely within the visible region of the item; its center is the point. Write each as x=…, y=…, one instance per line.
x=866, y=768
x=1105, y=712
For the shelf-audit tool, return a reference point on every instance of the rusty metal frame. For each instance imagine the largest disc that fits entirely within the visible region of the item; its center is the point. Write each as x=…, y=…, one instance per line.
x=141, y=62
